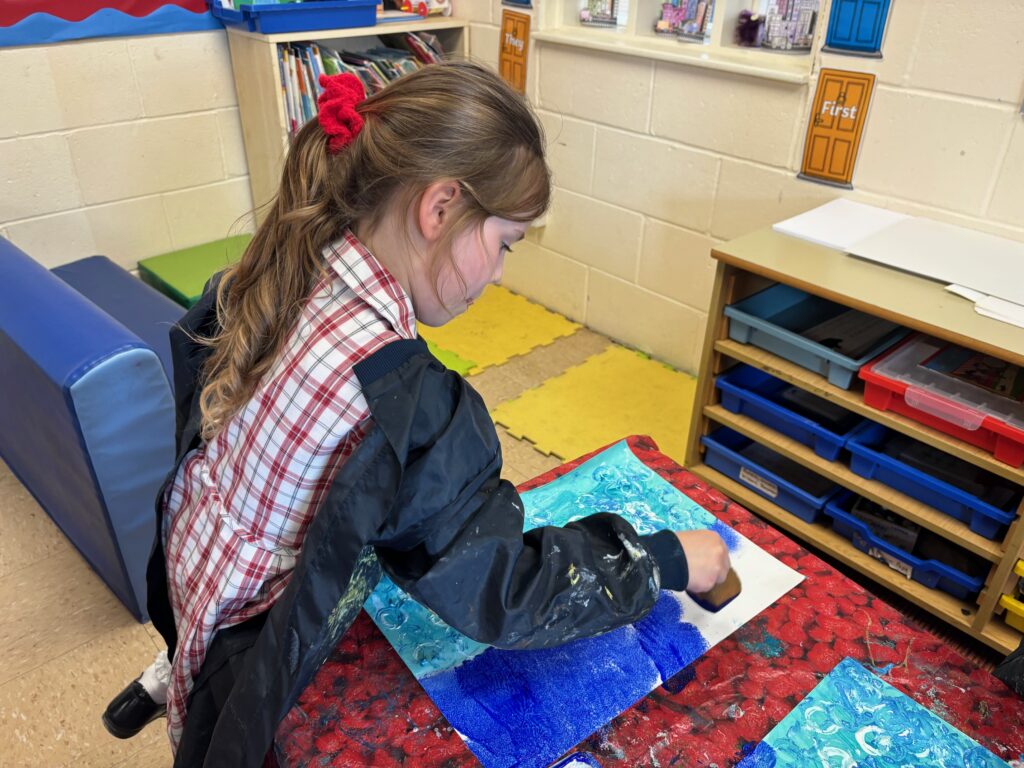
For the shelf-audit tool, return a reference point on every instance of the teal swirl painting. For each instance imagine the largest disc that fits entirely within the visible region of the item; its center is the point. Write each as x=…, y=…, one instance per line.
x=853, y=719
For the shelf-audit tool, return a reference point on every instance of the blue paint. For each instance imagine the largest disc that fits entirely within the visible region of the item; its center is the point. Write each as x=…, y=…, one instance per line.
x=761, y=756
x=731, y=538
x=560, y=695
x=613, y=481
x=883, y=671
x=670, y=651
x=678, y=682
x=45, y=28
x=853, y=718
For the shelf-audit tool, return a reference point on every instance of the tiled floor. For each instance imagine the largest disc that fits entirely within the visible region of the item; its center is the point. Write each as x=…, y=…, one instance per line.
x=67, y=645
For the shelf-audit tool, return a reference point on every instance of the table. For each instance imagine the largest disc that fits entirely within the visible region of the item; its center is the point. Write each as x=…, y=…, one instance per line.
x=364, y=708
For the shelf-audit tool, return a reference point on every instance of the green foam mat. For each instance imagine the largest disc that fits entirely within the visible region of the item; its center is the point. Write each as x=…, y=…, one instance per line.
x=181, y=275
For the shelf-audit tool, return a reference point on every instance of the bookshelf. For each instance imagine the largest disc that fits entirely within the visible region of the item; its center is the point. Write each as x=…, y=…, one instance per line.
x=257, y=83
x=749, y=263
x=635, y=36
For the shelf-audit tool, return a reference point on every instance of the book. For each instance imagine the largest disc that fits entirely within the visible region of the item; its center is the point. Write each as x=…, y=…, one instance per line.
x=984, y=371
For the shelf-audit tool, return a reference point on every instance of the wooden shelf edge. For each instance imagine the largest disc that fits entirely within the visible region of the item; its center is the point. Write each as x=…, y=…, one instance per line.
x=865, y=304
x=932, y=519
x=853, y=401
x=995, y=634
x=737, y=61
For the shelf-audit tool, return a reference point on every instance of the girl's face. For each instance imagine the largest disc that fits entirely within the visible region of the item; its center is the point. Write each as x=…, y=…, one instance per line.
x=479, y=256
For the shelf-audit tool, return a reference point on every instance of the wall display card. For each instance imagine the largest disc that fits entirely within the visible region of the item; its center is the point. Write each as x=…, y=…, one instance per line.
x=514, y=46
x=836, y=124
x=856, y=27
x=526, y=708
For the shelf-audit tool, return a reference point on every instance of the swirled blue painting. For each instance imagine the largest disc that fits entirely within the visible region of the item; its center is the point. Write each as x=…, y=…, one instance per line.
x=853, y=719
x=525, y=708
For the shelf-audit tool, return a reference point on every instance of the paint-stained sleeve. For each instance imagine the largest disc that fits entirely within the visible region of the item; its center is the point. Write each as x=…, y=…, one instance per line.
x=454, y=539
x=549, y=585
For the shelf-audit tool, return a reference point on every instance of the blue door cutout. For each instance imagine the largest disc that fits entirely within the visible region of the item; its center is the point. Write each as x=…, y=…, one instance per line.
x=857, y=27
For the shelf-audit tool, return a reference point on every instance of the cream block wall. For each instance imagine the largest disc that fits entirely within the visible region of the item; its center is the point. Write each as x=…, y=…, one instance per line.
x=132, y=146
x=655, y=162
x=127, y=147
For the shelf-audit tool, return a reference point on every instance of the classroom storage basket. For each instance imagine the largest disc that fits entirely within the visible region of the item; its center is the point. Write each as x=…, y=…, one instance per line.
x=273, y=18
x=930, y=572
x=984, y=501
x=778, y=317
x=793, y=487
x=900, y=381
x=808, y=419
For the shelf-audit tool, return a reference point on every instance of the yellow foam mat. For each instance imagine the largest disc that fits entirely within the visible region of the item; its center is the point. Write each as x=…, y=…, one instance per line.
x=610, y=396
x=498, y=326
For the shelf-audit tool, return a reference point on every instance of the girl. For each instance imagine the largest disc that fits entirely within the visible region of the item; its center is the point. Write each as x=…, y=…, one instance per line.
x=319, y=441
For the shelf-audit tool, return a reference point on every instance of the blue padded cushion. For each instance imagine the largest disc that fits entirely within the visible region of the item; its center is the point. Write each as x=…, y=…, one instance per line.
x=86, y=421
x=141, y=309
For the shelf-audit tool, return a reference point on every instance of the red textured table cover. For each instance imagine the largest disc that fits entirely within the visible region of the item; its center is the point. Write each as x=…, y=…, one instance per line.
x=364, y=707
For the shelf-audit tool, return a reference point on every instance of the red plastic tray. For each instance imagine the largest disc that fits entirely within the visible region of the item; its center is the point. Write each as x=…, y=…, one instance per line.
x=997, y=437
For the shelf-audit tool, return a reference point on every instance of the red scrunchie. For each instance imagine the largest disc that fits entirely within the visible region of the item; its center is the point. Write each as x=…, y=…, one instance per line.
x=337, y=109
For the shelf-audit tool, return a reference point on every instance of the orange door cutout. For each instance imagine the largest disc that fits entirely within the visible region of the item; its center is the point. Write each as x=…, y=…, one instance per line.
x=835, y=126
x=515, y=38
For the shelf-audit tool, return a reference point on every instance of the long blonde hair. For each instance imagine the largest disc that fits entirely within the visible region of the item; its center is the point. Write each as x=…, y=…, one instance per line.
x=455, y=120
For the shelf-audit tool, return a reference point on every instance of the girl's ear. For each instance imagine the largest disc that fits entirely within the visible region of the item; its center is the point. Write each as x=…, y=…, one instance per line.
x=436, y=207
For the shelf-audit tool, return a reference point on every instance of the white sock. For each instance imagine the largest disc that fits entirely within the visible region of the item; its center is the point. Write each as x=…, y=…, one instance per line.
x=157, y=677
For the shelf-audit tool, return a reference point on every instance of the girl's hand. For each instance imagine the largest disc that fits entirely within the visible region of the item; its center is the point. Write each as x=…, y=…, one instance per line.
x=707, y=558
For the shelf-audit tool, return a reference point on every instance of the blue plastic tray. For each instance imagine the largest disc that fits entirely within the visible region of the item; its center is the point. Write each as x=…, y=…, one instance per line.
x=724, y=453
x=752, y=392
x=773, y=319
x=931, y=573
x=271, y=18
x=868, y=461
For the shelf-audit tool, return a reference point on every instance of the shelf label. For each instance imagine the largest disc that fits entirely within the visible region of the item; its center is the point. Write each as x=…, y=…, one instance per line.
x=835, y=126
x=514, y=45
x=892, y=562
x=766, y=487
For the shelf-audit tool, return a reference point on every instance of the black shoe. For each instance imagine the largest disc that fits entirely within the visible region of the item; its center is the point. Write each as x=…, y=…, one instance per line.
x=131, y=711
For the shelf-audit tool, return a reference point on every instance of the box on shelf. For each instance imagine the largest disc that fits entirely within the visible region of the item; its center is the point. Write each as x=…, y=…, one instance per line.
x=790, y=485
x=1014, y=611
x=818, y=334
x=963, y=393
x=986, y=502
x=808, y=419
x=274, y=18
x=963, y=578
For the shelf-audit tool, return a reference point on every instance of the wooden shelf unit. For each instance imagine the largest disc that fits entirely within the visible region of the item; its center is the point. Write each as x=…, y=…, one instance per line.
x=258, y=85
x=749, y=263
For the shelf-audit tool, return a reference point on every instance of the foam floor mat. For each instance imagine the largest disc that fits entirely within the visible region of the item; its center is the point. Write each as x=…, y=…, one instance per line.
x=609, y=396
x=500, y=325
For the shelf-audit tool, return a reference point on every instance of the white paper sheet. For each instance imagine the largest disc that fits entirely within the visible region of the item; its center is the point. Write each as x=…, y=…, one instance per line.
x=839, y=224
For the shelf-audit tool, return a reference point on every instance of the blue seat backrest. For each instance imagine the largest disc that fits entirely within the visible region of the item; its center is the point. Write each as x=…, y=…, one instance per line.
x=86, y=419
x=141, y=309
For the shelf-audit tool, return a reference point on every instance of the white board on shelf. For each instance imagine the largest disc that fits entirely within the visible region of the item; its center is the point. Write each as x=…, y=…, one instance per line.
x=991, y=265
x=839, y=224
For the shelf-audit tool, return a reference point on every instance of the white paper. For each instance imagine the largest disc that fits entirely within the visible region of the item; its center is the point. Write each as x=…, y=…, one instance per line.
x=991, y=265
x=839, y=224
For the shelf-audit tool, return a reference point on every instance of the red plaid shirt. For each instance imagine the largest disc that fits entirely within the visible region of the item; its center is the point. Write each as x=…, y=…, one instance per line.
x=239, y=506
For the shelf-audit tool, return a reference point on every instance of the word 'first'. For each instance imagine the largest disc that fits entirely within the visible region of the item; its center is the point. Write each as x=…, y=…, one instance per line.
x=834, y=109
